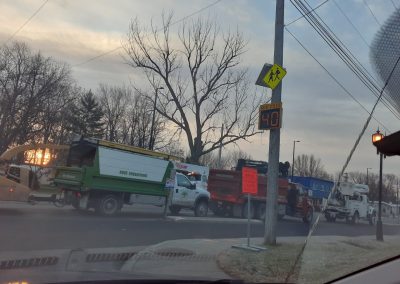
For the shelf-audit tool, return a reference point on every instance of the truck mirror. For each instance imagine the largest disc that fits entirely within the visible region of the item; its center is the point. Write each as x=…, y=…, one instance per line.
x=192, y=186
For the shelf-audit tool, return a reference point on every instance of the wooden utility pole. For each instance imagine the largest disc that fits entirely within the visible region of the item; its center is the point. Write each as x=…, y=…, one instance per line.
x=274, y=136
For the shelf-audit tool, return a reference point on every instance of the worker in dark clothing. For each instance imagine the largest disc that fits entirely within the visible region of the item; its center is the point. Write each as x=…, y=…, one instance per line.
x=292, y=199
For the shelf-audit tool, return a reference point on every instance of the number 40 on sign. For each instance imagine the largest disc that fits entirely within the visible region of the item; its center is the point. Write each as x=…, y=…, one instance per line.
x=270, y=116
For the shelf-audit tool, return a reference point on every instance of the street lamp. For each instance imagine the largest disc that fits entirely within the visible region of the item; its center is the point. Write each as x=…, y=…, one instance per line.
x=376, y=137
x=151, y=142
x=294, y=149
x=367, y=175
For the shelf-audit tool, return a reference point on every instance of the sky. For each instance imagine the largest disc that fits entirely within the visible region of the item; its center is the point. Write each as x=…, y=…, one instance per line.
x=316, y=110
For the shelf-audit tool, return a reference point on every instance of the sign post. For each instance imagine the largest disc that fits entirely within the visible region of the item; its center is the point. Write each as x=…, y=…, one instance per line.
x=249, y=186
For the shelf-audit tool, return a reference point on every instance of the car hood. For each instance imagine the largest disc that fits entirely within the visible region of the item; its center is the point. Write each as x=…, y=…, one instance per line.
x=157, y=262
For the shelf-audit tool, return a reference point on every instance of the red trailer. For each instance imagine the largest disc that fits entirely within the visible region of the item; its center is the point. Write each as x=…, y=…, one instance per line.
x=227, y=198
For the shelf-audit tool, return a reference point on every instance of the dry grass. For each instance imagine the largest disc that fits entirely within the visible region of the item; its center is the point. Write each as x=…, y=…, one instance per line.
x=321, y=261
x=271, y=265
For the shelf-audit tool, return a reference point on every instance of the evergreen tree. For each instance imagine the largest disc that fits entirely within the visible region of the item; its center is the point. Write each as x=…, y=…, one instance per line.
x=88, y=116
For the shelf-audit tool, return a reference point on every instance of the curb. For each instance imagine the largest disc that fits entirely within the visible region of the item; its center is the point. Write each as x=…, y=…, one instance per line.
x=211, y=219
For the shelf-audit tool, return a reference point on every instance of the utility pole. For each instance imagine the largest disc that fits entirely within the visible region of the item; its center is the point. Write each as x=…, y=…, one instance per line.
x=274, y=136
x=151, y=142
x=379, y=227
x=294, y=149
x=220, y=147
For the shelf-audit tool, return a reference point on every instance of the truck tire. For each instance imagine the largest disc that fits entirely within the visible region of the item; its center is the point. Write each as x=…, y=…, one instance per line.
x=356, y=218
x=201, y=208
x=108, y=205
x=244, y=211
x=329, y=218
x=372, y=219
x=219, y=212
x=75, y=203
x=309, y=218
x=260, y=211
x=175, y=209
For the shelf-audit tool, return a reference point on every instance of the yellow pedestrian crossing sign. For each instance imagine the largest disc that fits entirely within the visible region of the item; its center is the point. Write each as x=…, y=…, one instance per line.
x=274, y=76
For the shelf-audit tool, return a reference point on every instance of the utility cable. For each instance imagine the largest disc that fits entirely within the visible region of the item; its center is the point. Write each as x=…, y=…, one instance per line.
x=351, y=23
x=342, y=51
x=26, y=22
x=119, y=47
x=335, y=79
x=372, y=13
x=394, y=5
x=315, y=8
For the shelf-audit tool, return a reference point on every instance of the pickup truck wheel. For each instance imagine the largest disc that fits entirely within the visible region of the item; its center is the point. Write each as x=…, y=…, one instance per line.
x=355, y=219
x=201, y=209
x=74, y=202
x=219, y=212
x=175, y=209
x=260, y=214
x=108, y=205
x=309, y=218
x=372, y=219
x=328, y=217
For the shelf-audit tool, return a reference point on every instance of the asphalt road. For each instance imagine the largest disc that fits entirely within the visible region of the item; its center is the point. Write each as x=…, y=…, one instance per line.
x=43, y=226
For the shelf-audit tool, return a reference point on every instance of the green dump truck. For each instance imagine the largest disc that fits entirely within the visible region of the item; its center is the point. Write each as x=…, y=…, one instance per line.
x=104, y=176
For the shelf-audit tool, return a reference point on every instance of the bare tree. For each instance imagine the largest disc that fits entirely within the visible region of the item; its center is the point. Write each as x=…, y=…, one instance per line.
x=204, y=86
x=114, y=101
x=32, y=88
x=309, y=166
x=228, y=159
x=389, y=183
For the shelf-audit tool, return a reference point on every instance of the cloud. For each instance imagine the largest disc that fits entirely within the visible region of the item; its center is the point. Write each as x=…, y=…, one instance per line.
x=316, y=110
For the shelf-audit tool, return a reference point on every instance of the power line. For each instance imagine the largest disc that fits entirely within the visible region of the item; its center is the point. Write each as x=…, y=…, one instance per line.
x=347, y=57
x=358, y=66
x=26, y=22
x=342, y=51
x=394, y=5
x=351, y=23
x=372, y=13
x=335, y=79
x=315, y=8
x=173, y=23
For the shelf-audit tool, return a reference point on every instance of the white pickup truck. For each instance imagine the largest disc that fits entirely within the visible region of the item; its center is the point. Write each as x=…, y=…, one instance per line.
x=351, y=204
x=183, y=195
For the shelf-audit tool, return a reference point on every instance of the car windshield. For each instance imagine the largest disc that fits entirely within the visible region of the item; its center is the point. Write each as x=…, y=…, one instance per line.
x=198, y=140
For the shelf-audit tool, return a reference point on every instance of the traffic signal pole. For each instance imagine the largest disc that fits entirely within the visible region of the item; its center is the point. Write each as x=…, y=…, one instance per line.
x=274, y=137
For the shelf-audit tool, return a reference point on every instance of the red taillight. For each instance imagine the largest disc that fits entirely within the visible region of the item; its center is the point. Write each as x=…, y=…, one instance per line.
x=78, y=194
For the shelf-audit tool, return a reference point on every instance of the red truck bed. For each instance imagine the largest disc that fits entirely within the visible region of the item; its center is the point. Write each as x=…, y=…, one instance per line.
x=227, y=186
x=227, y=199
